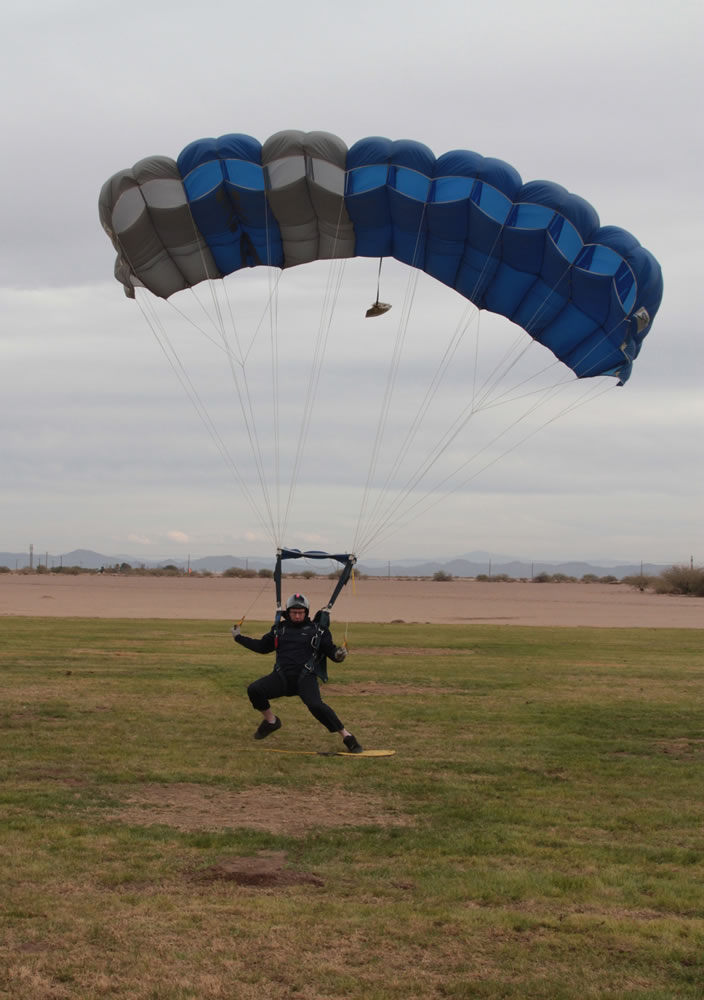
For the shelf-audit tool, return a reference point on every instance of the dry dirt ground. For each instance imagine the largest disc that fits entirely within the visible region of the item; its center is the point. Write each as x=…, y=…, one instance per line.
x=193, y=807
x=370, y=600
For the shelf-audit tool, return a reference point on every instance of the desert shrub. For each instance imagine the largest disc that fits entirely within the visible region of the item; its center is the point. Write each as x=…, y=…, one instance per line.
x=609, y=578
x=265, y=574
x=307, y=574
x=5, y=569
x=681, y=580
x=168, y=570
x=238, y=571
x=441, y=576
x=640, y=581
x=590, y=578
x=123, y=567
x=542, y=578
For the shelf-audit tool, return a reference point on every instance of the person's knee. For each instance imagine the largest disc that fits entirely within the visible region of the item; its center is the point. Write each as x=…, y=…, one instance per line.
x=258, y=700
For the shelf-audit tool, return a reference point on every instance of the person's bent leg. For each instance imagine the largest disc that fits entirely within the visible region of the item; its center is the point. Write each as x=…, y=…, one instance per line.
x=260, y=692
x=309, y=693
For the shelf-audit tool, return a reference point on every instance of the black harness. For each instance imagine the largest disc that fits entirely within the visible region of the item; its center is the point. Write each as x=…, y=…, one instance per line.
x=317, y=663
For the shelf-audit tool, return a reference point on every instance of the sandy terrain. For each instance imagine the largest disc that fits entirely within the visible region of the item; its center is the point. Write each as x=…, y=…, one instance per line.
x=370, y=600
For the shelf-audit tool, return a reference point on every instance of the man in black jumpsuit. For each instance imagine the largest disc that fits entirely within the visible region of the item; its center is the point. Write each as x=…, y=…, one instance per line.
x=294, y=670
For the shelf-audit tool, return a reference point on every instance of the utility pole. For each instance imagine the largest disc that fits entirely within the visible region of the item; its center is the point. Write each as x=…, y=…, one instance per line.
x=31, y=556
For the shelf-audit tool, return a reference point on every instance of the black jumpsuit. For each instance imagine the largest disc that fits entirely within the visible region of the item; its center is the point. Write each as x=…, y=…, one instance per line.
x=290, y=677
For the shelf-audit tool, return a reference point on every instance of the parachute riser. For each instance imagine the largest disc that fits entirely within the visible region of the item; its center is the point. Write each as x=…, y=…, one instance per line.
x=348, y=561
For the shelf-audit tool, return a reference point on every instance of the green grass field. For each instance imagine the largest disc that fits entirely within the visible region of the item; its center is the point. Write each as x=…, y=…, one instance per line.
x=539, y=833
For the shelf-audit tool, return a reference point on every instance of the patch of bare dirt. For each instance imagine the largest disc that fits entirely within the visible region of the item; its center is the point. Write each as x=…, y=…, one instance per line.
x=194, y=808
x=685, y=749
x=267, y=869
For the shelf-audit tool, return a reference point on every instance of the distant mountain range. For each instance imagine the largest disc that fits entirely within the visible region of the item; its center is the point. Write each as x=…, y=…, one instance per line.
x=470, y=565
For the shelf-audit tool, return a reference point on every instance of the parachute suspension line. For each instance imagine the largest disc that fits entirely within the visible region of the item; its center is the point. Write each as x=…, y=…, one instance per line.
x=244, y=397
x=213, y=287
x=391, y=377
x=273, y=298
x=450, y=351
x=274, y=343
x=250, y=421
x=441, y=446
x=534, y=318
x=189, y=319
x=587, y=396
x=510, y=359
x=475, y=364
x=383, y=530
x=330, y=298
x=480, y=399
x=219, y=321
x=273, y=337
x=243, y=394
x=273, y=311
x=605, y=336
x=191, y=391
x=470, y=313
x=437, y=378
x=331, y=294
x=427, y=463
x=189, y=388
x=394, y=364
x=245, y=400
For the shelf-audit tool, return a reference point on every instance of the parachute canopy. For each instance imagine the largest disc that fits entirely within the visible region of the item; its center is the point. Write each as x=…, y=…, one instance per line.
x=532, y=252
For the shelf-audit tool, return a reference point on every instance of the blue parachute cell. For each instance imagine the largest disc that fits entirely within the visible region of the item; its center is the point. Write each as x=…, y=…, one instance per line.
x=532, y=252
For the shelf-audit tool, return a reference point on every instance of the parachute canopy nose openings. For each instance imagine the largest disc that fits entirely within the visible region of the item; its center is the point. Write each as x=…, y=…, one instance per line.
x=642, y=318
x=377, y=309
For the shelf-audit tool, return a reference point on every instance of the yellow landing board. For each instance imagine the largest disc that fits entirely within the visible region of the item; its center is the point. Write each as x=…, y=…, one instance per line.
x=334, y=753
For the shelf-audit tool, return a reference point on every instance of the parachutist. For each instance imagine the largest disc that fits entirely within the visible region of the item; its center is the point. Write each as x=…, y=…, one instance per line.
x=301, y=646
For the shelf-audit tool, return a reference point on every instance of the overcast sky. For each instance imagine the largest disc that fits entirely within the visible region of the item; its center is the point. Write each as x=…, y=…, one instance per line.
x=102, y=448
